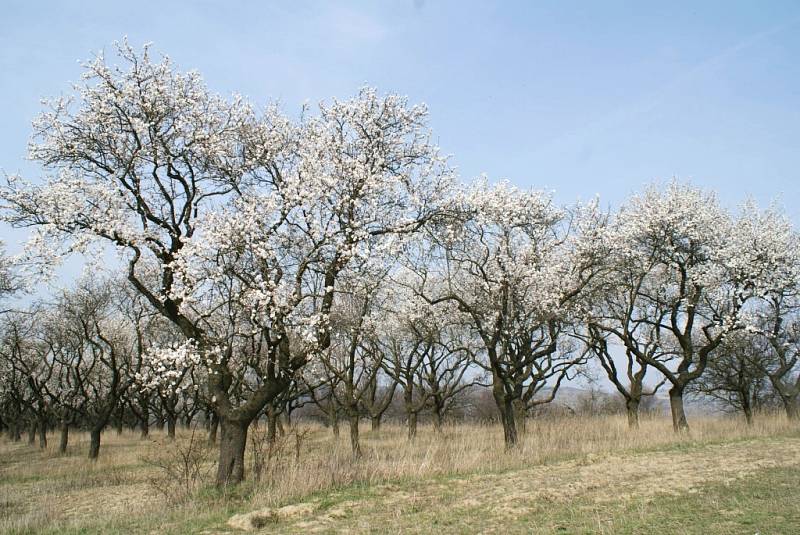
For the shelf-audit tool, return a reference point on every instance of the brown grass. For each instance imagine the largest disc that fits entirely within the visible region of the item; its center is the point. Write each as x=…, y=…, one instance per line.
x=41, y=490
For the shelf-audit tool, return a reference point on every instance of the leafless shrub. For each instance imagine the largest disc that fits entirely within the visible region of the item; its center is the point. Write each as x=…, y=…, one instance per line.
x=182, y=467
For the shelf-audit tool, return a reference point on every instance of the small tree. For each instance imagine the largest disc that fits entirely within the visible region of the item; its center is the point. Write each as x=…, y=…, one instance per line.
x=735, y=377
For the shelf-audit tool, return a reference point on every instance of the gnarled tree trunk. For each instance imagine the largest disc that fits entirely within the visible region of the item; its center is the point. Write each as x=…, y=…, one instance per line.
x=679, y=422
x=233, y=441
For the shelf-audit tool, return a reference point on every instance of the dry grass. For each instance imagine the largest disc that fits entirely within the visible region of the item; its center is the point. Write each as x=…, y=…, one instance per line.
x=43, y=491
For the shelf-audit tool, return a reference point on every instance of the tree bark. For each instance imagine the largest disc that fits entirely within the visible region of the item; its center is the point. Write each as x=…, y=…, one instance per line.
x=212, y=430
x=42, y=435
x=233, y=441
x=679, y=423
x=632, y=408
x=747, y=409
x=438, y=419
x=62, y=445
x=171, y=422
x=144, y=427
x=32, y=434
x=94, y=443
x=520, y=415
x=334, y=417
x=13, y=432
x=505, y=406
x=144, y=423
x=792, y=411
x=376, y=422
x=355, y=445
x=272, y=425
x=412, y=425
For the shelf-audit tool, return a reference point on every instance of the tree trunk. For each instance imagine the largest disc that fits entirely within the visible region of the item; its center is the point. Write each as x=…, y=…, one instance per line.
x=679, y=423
x=505, y=406
x=279, y=425
x=747, y=409
x=334, y=417
x=509, y=425
x=144, y=424
x=412, y=425
x=520, y=415
x=355, y=445
x=62, y=445
x=632, y=408
x=94, y=443
x=272, y=425
x=42, y=435
x=144, y=417
x=32, y=434
x=438, y=419
x=792, y=411
x=376, y=423
x=171, y=421
x=233, y=441
x=212, y=430
x=13, y=432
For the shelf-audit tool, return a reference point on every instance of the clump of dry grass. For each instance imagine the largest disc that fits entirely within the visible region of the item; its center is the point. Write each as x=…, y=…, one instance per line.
x=44, y=490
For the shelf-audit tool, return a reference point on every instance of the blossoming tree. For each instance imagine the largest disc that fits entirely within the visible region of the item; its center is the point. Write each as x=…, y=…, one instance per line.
x=515, y=267
x=687, y=269
x=246, y=218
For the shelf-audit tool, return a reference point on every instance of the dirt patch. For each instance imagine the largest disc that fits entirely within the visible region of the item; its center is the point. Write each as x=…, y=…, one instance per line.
x=259, y=519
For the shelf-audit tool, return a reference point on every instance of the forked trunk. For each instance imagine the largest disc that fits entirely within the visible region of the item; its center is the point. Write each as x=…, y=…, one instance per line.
x=679, y=423
x=233, y=441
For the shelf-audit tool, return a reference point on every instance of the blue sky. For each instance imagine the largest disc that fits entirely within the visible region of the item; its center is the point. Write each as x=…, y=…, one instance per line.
x=583, y=98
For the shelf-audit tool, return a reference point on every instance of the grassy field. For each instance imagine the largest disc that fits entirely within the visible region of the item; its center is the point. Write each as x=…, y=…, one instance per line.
x=576, y=475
